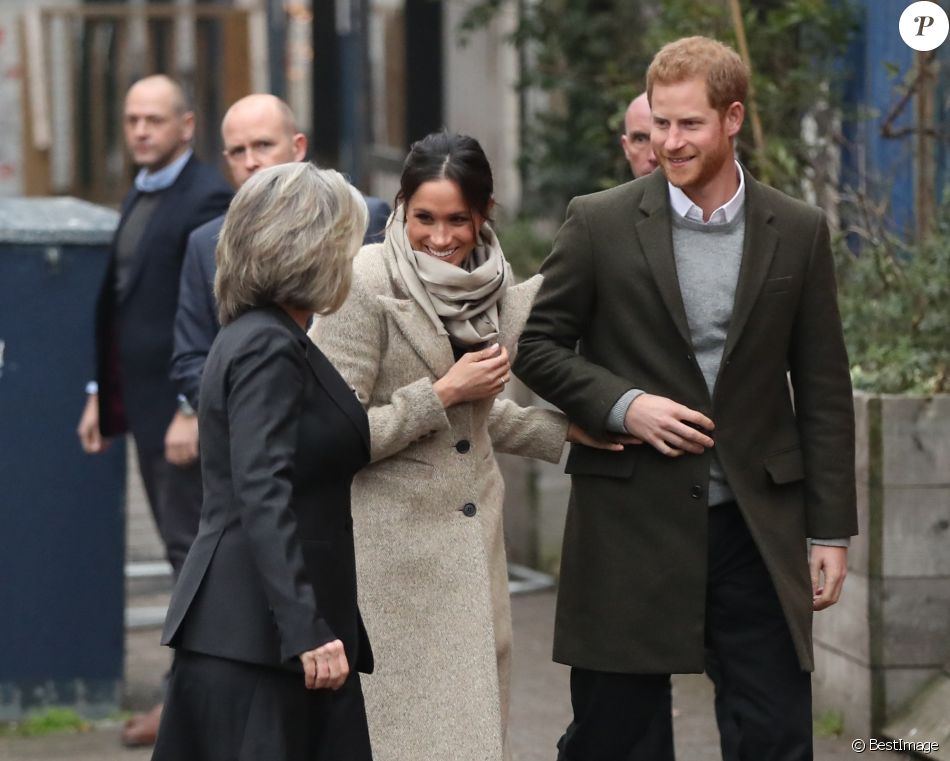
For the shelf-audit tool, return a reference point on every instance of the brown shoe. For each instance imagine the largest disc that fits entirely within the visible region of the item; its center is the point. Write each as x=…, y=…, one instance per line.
x=142, y=729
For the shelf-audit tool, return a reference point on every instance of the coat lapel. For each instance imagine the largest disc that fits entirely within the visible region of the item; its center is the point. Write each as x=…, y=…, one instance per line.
x=656, y=242
x=342, y=395
x=329, y=379
x=513, y=312
x=432, y=348
x=758, y=249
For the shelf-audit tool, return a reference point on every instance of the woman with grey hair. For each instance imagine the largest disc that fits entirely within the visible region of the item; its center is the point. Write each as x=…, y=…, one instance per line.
x=425, y=338
x=264, y=619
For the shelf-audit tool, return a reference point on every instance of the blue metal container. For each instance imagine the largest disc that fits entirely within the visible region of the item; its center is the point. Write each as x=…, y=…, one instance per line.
x=62, y=524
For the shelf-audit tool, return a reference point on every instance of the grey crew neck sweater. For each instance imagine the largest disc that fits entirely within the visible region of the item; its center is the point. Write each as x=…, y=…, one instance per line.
x=707, y=258
x=707, y=266
x=130, y=236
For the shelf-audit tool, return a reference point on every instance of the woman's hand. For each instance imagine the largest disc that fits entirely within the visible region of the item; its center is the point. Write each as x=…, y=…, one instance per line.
x=325, y=666
x=577, y=435
x=477, y=375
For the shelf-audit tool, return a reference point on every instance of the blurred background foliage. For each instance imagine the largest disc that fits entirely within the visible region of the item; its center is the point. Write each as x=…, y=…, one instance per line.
x=583, y=60
x=895, y=302
x=589, y=58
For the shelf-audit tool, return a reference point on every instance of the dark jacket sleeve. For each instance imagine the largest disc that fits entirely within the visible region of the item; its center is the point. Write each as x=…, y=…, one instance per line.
x=824, y=403
x=196, y=320
x=265, y=398
x=548, y=361
x=379, y=212
x=214, y=201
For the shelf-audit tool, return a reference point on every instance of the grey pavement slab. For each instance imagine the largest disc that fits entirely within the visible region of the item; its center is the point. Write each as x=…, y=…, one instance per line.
x=540, y=702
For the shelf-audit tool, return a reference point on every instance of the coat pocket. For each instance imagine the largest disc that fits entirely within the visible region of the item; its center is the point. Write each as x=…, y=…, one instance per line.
x=778, y=284
x=785, y=467
x=587, y=461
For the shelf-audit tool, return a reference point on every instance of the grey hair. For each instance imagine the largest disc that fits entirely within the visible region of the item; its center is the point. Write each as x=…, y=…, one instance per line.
x=289, y=238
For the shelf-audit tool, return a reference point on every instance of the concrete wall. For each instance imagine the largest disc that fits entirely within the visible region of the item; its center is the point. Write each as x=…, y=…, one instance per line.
x=480, y=95
x=889, y=635
x=11, y=83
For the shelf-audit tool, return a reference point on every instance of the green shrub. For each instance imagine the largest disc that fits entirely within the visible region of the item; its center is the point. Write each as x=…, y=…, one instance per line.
x=46, y=722
x=895, y=307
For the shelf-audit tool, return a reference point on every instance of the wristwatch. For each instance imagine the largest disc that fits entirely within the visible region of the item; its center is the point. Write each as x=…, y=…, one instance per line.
x=184, y=406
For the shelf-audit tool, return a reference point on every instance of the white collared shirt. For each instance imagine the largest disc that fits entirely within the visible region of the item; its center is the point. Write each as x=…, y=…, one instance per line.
x=153, y=182
x=685, y=208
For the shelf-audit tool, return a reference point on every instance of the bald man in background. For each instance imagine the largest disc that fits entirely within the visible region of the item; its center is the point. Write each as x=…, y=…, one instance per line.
x=258, y=131
x=173, y=194
x=635, y=139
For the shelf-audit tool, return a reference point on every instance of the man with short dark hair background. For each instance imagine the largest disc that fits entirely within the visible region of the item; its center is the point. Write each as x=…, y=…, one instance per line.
x=173, y=194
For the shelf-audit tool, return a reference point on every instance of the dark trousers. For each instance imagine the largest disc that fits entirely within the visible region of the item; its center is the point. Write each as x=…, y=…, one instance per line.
x=174, y=495
x=763, y=689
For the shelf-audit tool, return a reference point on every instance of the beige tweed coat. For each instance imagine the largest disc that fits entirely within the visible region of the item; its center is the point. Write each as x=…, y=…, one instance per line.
x=427, y=516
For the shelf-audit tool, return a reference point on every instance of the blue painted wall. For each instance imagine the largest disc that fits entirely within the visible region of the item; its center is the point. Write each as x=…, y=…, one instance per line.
x=872, y=90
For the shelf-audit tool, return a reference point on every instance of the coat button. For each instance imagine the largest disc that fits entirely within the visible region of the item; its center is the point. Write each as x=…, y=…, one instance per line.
x=696, y=492
x=462, y=446
x=469, y=510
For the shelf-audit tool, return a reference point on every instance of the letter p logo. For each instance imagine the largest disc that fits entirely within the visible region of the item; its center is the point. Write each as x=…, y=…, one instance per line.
x=923, y=22
x=924, y=25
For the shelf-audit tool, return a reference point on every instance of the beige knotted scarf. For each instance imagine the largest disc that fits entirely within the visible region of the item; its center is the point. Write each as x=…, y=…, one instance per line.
x=462, y=301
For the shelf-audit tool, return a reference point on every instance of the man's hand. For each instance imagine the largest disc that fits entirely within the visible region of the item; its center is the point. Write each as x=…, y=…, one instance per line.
x=88, y=429
x=325, y=666
x=828, y=566
x=181, y=440
x=667, y=426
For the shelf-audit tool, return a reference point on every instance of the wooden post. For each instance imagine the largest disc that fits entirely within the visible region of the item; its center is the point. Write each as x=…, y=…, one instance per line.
x=925, y=181
x=236, y=74
x=36, y=163
x=758, y=137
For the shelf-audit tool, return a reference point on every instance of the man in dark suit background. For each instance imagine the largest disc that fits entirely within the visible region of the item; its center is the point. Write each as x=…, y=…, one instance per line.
x=635, y=139
x=173, y=194
x=702, y=300
x=258, y=131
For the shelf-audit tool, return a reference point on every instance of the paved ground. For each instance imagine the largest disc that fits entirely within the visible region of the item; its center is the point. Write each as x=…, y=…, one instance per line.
x=540, y=704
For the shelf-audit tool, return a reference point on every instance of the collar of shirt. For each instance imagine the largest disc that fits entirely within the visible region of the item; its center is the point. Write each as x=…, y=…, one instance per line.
x=152, y=182
x=686, y=209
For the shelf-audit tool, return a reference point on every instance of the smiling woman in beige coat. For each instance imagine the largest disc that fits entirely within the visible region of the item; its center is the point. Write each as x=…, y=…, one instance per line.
x=425, y=339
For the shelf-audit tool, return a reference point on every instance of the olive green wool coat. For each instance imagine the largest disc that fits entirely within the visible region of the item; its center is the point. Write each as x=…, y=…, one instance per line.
x=633, y=570
x=433, y=585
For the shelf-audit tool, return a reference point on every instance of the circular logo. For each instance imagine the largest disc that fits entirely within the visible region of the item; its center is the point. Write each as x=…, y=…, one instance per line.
x=858, y=746
x=924, y=25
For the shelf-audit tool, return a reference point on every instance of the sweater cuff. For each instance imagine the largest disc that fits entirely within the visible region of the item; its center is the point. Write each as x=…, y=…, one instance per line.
x=843, y=542
x=617, y=414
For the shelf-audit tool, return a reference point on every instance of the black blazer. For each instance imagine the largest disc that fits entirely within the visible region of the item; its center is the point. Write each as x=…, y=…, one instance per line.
x=134, y=334
x=272, y=573
x=196, y=321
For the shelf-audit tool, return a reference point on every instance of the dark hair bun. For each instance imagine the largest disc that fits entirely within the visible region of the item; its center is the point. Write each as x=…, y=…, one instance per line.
x=449, y=156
